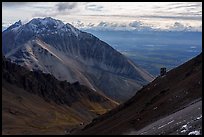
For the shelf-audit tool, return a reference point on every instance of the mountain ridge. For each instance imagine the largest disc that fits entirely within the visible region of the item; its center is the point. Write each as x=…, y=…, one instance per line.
x=89, y=56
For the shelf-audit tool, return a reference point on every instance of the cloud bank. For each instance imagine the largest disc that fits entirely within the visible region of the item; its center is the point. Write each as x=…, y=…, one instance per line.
x=107, y=15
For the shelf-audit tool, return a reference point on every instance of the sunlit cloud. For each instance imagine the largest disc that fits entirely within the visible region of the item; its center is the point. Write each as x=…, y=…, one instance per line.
x=157, y=15
x=94, y=7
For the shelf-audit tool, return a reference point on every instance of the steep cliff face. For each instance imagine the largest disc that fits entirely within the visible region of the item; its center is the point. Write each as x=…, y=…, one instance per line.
x=38, y=103
x=164, y=106
x=70, y=54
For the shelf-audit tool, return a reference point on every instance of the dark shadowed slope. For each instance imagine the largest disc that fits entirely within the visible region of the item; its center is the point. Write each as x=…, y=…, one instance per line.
x=182, y=122
x=37, y=103
x=159, y=99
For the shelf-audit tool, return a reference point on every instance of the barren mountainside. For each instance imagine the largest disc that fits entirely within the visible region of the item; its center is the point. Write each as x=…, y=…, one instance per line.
x=170, y=104
x=69, y=54
x=38, y=103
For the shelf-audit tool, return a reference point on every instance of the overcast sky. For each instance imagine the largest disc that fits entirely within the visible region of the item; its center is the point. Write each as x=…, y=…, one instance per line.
x=157, y=15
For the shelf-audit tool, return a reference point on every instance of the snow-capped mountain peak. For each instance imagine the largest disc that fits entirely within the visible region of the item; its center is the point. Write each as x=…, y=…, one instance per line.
x=46, y=22
x=49, y=25
x=43, y=27
x=15, y=25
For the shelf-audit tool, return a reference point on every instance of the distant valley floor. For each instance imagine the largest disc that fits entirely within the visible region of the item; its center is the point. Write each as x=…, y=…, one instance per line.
x=154, y=49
